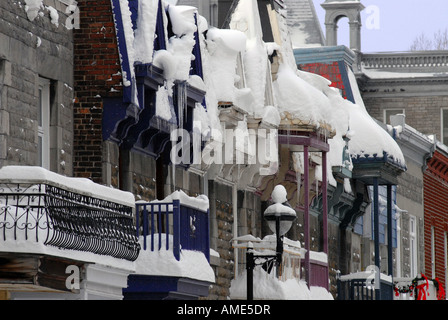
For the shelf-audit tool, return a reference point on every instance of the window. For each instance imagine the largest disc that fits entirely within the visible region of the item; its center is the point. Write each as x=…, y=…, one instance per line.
x=433, y=252
x=391, y=112
x=399, y=245
x=444, y=125
x=446, y=256
x=43, y=148
x=413, y=246
x=382, y=215
x=366, y=228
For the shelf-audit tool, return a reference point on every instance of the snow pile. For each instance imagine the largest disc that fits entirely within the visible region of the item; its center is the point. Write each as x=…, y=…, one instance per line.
x=268, y=287
x=279, y=194
x=223, y=47
x=246, y=19
x=279, y=209
x=36, y=175
x=306, y=99
x=32, y=8
x=200, y=202
x=33, y=241
x=54, y=15
x=36, y=8
x=298, y=99
x=22, y=245
x=181, y=45
x=192, y=264
x=145, y=32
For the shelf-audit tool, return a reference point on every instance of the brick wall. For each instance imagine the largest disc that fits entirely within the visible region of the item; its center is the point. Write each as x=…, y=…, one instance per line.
x=97, y=75
x=329, y=71
x=436, y=214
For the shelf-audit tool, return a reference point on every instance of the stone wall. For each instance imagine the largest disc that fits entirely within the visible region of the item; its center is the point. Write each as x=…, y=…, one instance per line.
x=35, y=43
x=410, y=200
x=422, y=112
x=221, y=234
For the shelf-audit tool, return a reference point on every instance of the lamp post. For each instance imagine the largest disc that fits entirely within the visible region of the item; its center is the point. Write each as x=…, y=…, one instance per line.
x=279, y=216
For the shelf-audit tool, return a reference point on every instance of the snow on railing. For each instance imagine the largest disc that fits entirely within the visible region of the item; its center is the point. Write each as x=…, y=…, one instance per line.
x=293, y=253
x=184, y=218
x=39, y=208
x=365, y=285
x=418, y=288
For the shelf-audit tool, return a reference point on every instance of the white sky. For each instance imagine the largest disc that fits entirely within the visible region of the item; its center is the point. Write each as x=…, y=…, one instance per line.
x=398, y=23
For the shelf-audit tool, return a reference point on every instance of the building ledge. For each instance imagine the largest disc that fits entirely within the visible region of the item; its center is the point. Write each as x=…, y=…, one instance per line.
x=146, y=287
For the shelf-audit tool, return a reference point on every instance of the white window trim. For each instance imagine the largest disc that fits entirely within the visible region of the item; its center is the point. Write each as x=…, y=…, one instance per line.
x=442, y=126
x=445, y=253
x=44, y=126
x=433, y=252
x=387, y=109
x=413, y=246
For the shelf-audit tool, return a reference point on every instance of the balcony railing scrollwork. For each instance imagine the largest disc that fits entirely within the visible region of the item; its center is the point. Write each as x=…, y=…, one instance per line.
x=53, y=216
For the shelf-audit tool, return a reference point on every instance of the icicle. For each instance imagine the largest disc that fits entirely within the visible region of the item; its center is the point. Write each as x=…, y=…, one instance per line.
x=173, y=178
x=182, y=103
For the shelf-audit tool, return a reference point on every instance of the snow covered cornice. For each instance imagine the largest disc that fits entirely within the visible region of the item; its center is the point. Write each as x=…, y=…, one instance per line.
x=415, y=145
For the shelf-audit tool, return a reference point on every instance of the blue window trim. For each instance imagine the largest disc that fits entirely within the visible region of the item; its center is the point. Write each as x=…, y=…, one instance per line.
x=359, y=224
x=159, y=41
x=196, y=64
x=133, y=6
x=121, y=37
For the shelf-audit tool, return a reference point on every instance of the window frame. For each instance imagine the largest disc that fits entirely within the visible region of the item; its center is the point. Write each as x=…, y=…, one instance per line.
x=442, y=131
x=413, y=261
x=43, y=120
x=385, y=119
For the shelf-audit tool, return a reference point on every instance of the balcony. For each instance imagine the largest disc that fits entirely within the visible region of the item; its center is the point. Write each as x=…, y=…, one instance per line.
x=174, y=261
x=362, y=286
x=49, y=222
x=187, y=225
x=418, y=288
x=284, y=282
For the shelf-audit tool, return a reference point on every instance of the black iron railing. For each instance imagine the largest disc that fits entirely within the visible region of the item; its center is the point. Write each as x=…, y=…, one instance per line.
x=68, y=220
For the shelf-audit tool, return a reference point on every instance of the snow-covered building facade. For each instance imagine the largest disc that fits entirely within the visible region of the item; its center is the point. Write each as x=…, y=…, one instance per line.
x=60, y=236
x=183, y=129
x=405, y=93
x=178, y=84
x=413, y=85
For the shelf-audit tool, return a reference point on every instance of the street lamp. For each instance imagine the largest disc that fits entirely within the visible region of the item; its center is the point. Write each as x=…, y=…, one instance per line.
x=279, y=216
